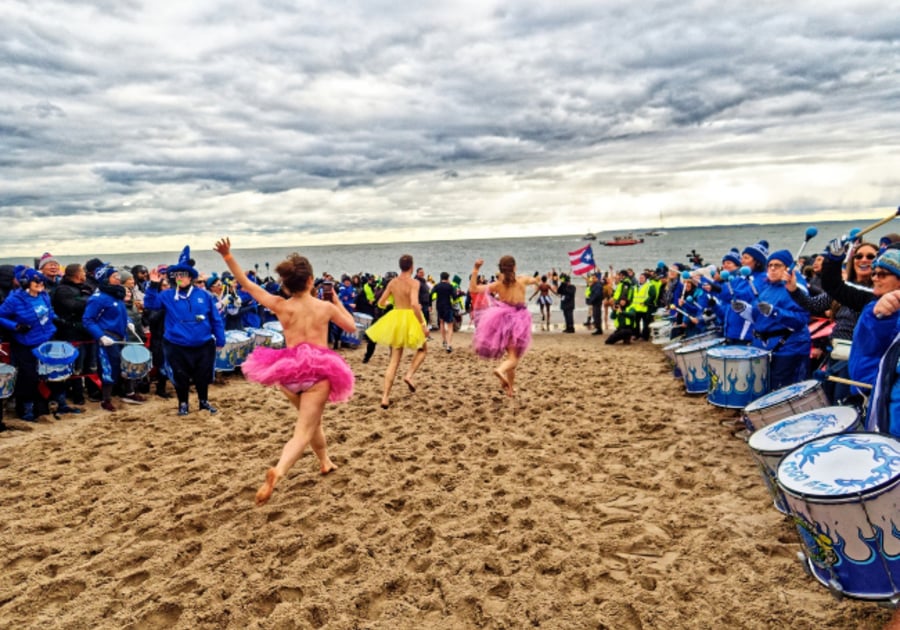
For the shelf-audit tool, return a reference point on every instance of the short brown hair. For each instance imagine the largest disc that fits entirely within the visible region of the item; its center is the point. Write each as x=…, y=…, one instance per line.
x=406, y=262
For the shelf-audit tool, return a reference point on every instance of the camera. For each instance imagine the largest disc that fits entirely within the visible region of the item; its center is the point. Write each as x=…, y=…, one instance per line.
x=695, y=258
x=327, y=290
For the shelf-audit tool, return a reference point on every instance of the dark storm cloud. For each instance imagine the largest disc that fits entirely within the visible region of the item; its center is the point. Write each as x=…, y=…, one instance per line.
x=148, y=114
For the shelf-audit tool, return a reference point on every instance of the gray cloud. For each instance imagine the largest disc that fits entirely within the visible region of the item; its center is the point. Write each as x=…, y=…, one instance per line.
x=166, y=119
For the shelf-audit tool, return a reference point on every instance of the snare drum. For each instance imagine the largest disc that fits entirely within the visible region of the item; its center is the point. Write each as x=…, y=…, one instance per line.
x=237, y=346
x=843, y=492
x=784, y=402
x=737, y=375
x=277, y=340
x=7, y=380
x=774, y=441
x=56, y=360
x=362, y=320
x=136, y=361
x=660, y=331
x=260, y=336
x=691, y=361
x=274, y=326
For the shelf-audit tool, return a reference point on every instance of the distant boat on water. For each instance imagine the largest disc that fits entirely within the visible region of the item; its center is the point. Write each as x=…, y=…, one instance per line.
x=655, y=233
x=590, y=236
x=619, y=241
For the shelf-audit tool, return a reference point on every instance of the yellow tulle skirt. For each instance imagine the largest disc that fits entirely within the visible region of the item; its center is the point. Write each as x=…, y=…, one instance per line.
x=398, y=328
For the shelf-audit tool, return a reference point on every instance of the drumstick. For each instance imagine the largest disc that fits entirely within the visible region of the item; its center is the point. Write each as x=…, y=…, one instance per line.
x=847, y=381
x=878, y=224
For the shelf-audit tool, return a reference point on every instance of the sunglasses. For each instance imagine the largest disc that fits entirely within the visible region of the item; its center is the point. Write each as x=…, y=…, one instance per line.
x=866, y=256
x=880, y=273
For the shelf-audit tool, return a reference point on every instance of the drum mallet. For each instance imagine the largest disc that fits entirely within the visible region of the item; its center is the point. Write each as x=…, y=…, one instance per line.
x=134, y=332
x=810, y=234
x=747, y=273
x=878, y=224
x=847, y=381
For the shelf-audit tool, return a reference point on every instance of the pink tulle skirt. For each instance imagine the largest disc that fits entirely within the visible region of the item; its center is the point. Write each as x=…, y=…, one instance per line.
x=299, y=367
x=500, y=326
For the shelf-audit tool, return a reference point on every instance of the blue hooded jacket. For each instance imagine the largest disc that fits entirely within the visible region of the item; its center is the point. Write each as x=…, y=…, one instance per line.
x=36, y=312
x=191, y=320
x=105, y=315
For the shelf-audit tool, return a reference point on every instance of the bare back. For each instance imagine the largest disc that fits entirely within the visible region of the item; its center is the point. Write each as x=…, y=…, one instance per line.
x=514, y=293
x=404, y=289
x=305, y=319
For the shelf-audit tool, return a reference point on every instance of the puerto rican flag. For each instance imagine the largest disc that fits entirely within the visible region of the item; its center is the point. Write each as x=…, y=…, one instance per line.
x=582, y=260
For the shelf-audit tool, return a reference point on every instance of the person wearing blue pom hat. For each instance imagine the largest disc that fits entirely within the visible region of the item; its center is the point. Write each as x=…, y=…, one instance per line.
x=781, y=324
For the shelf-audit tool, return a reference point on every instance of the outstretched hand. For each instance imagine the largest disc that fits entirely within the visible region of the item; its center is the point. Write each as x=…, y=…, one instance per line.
x=223, y=246
x=155, y=276
x=479, y=263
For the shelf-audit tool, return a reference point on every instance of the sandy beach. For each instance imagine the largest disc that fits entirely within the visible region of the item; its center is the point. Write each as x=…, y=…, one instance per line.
x=601, y=496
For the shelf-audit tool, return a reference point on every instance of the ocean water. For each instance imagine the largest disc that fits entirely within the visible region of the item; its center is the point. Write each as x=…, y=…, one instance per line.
x=532, y=254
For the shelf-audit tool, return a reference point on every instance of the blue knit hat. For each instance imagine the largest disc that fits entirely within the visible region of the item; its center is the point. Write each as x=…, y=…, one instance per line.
x=212, y=280
x=27, y=275
x=783, y=256
x=734, y=255
x=889, y=261
x=759, y=251
x=104, y=272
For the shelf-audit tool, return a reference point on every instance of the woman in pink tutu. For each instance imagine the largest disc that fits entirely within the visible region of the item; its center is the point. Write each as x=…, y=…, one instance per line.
x=505, y=326
x=306, y=370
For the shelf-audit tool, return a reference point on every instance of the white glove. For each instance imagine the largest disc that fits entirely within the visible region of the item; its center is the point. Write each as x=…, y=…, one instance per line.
x=106, y=341
x=131, y=326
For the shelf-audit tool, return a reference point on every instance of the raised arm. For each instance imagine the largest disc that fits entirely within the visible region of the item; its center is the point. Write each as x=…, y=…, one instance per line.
x=223, y=246
x=474, y=287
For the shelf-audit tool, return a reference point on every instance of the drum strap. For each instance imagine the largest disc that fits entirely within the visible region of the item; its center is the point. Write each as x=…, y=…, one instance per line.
x=765, y=336
x=782, y=341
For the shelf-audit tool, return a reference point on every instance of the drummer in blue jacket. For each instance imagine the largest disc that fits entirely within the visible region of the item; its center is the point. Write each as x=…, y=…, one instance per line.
x=781, y=324
x=28, y=314
x=106, y=319
x=878, y=321
x=193, y=331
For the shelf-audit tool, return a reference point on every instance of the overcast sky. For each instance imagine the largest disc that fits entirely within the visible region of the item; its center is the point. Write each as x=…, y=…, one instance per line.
x=138, y=126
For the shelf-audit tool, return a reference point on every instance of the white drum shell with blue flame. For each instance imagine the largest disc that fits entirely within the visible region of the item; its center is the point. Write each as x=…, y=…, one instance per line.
x=660, y=332
x=691, y=362
x=7, y=380
x=844, y=494
x=737, y=375
x=277, y=330
x=238, y=345
x=774, y=441
x=784, y=402
x=136, y=361
x=261, y=336
x=56, y=360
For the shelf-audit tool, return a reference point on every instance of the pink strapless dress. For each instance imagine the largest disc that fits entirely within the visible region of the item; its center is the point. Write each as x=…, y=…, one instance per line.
x=300, y=367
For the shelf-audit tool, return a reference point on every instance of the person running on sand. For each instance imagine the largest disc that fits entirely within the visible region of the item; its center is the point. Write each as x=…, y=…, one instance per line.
x=545, y=300
x=404, y=326
x=505, y=326
x=306, y=370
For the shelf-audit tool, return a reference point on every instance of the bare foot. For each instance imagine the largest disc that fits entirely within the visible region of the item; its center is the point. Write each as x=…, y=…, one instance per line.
x=327, y=467
x=409, y=384
x=503, y=381
x=894, y=623
x=265, y=490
